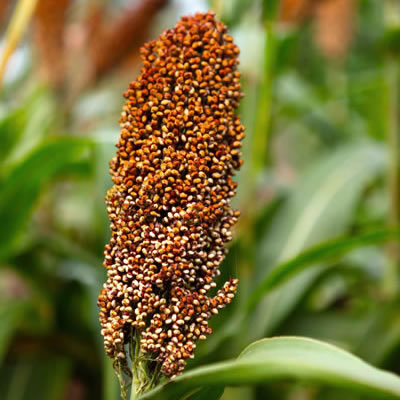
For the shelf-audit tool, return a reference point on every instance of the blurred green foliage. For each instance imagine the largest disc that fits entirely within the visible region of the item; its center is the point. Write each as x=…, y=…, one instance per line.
x=316, y=248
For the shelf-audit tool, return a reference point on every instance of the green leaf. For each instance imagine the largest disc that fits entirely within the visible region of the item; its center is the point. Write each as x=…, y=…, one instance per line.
x=232, y=13
x=262, y=125
x=270, y=9
x=206, y=393
x=111, y=390
x=23, y=134
x=30, y=379
x=11, y=314
x=24, y=305
x=385, y=325
x=21, y=188
x=337, y=327
x=320, y=208
x=283, y=358
x=323, y=252
x=11, y=127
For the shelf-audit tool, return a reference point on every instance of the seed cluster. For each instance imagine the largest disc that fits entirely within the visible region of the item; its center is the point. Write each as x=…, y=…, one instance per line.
x=170, y=204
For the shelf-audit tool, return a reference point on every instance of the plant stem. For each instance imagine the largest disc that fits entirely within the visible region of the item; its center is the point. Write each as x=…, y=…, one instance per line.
x=143, y=378
x=391, y=278
x=155, y=376
x=134, y=393
x=263, y=117
x=258, y=160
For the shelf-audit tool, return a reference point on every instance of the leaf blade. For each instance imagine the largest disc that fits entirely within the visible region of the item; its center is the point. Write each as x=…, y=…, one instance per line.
x=21, y=188
x=320, y=208
x=297, y=358
x=322, y=252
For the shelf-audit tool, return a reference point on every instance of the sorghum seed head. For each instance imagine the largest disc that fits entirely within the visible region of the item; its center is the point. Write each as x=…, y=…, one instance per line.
x=170, y=204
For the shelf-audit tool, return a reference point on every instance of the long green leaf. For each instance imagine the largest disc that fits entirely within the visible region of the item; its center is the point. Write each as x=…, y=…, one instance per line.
x=30, y=379
x=21, y=188
x=323, y=252
x=232, y=12
x=206, y=393
x=111, y=390
x=385, y=325
x=283, y=358
x=11, y=128
x=35, y=117
x=11, y=315
x=320, y=208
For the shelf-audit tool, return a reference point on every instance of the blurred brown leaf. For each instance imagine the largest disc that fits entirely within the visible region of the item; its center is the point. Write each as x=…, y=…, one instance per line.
x=121, y=37
x=295, y=10
x=106, y=45
x=50, y=18
x=76, y=390
x=334, y=24
x=5, y=7
x=333, y=20
x=94, y=23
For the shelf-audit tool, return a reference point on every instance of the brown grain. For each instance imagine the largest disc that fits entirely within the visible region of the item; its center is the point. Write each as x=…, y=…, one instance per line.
x=170, y=207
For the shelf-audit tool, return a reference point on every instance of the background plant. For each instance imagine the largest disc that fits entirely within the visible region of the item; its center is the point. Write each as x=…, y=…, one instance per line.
x=316, y=249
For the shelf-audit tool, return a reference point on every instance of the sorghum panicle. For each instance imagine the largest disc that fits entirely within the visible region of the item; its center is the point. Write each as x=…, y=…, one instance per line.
x=170, y=204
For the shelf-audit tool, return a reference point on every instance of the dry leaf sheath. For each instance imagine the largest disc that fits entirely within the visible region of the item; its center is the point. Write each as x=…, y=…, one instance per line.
x=113, y=41
x=170, y=207
x=50, y=19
